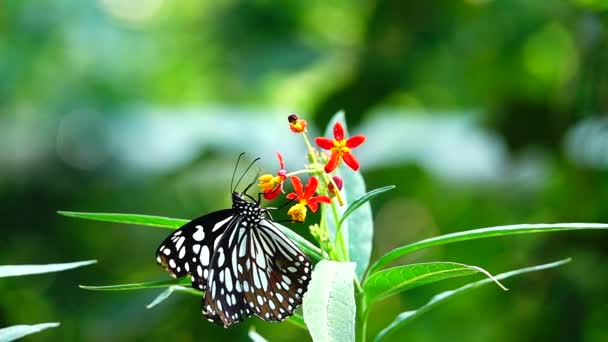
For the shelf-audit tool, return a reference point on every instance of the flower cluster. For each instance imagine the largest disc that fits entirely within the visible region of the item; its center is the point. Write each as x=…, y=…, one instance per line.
x=339, y=148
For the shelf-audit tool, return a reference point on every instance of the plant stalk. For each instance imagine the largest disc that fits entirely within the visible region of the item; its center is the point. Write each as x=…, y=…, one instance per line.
x=362, y=313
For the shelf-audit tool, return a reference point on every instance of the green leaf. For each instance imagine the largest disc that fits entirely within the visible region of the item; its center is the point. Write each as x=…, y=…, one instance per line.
x=297, y=320
x=363, y=199
x=397, y=279
x=329, y=304
x=173, y=223
x=20, y=270
x=19, y=331
x=142, y=220
x=254, y=336
x=405, y=317
x=139, y=286
x=479, y=234
x=169, y=291
x=358, y=227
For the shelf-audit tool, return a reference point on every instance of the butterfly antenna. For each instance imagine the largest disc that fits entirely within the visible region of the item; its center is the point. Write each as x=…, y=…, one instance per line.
x=234, y=172
x=250, y=184
x=244, y=173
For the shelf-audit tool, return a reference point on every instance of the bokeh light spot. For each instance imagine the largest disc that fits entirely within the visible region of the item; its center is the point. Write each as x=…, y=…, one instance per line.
x=131, y=11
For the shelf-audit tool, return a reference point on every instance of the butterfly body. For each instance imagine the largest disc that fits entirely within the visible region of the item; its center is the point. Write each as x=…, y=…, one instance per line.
x=242, y=261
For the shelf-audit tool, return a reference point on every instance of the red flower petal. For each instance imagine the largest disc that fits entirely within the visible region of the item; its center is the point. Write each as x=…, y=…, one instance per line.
x=297, y=185
x=338, y=131
x=281, y=163
x=351, y=161
x=320, y=199
x=313, y=206
x=311, y=187
x=325, y=143
x=331, y=165
x=355, y=141
x=292, y=196
x=270, y=195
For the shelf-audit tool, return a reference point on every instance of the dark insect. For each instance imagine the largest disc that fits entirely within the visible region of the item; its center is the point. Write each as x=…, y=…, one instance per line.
x=242, y=261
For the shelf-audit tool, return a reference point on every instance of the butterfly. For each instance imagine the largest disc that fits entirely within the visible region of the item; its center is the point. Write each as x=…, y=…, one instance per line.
x=244, y=264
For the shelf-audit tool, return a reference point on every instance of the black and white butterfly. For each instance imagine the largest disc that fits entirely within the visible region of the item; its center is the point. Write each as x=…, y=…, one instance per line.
x=242, y=261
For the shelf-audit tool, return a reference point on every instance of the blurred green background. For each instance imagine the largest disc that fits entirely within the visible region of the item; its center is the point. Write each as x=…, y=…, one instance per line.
x=481, y=112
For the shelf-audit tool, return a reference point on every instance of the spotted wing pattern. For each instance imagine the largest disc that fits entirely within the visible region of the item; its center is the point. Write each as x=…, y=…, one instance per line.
x=256, y=270
x=242, y=261
x=190, y=248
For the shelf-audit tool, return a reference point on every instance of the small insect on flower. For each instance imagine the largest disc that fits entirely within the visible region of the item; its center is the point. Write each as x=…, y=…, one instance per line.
x=304, y=198
x=242, y=261
x=271, y=185
x=340, y=148
x=296, y=124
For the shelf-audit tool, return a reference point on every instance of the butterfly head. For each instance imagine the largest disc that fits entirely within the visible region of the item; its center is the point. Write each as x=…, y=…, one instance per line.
x=252, y=212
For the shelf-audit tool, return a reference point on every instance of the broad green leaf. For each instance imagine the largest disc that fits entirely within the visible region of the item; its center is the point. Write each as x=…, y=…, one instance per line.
x=139, y=286
x=397, y=279
x=169, y=291
x=18, y=331
x=363, y=199
x=21, y=270
x=173, y=223
x=479, y=234
x=405, y=317
x=297, y=320
x=254, y=336
x=329, y=304
x=358, y=228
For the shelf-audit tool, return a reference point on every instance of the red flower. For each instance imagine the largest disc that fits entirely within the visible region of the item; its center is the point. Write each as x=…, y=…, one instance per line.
x=305, y=198
x=273, y=185
x=340, y=148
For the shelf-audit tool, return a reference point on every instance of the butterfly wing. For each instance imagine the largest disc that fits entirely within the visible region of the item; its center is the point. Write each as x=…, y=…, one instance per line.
x=189, y=250
x=259, y=271
x=224, y=302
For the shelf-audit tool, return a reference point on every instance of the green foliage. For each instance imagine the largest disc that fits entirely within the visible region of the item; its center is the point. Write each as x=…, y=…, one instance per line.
x=480, y=234
x=174, y=223
x=363, y=199
x=329, y=304
x=139, y=286
x=18, y=331
x=388, y=282
x=87, y=124
x=21, y=270
x=336, y=305
x=169, y=291
x=356, y=228
x=254, y=336
x=406, y=317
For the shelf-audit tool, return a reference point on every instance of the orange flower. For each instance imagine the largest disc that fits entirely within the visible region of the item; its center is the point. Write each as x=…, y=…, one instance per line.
x=340, y=148
x=305, y=198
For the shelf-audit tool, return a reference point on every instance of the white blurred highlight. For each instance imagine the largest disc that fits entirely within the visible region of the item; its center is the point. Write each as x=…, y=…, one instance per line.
x=132, y=11
x=586, y=144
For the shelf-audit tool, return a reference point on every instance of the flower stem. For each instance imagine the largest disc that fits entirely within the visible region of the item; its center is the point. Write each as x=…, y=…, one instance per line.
x=362, y=312
x=298, y=172
x=340, y=243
